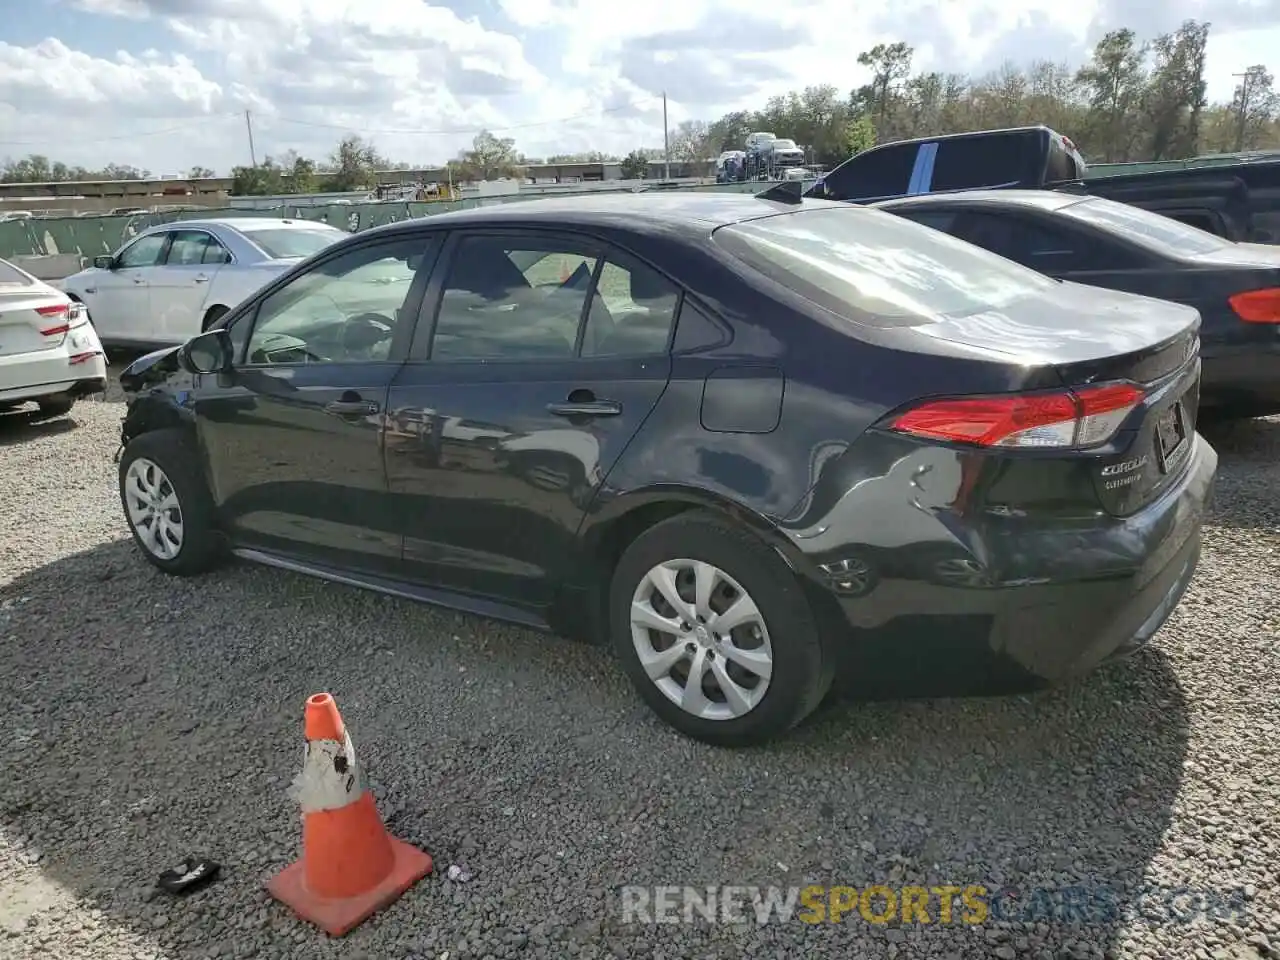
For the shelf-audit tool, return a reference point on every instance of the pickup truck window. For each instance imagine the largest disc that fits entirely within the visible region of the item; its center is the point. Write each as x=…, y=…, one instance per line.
x=881, y=172
x=985, y=161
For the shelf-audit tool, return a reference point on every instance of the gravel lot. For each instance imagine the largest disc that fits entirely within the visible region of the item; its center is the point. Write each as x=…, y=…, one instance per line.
x=147, y=718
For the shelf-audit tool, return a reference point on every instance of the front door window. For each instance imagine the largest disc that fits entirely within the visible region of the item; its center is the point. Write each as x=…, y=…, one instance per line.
x=346, y=310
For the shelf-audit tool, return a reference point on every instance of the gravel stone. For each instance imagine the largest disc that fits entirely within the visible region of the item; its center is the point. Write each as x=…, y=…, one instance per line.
x=147, y=719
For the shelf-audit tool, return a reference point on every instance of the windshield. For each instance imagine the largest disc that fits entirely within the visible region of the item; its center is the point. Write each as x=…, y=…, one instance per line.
x=1152, y=230
x=874, y=267
x=280, y=244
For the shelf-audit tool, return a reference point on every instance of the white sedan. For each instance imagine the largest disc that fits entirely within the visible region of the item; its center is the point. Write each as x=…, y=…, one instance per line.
x=49, y=353
x=171, y=281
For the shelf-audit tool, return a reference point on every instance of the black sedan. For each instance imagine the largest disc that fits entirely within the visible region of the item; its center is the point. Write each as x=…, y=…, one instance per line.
x=1234, y=286
x=754, y=444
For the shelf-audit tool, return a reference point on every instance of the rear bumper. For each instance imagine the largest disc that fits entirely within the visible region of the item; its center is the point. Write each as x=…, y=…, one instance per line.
x=947, y=619
x=1245, y=377
x=42, y=373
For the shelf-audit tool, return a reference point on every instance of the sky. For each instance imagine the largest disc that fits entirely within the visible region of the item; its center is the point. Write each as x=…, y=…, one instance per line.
x=164, y=85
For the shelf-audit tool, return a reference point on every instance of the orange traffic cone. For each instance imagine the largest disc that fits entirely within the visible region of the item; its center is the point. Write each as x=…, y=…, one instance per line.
x=350, y=866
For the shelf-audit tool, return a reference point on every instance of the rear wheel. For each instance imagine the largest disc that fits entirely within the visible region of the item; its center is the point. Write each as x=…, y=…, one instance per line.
x=58, y=405
x=715, y=632
x=167, y=505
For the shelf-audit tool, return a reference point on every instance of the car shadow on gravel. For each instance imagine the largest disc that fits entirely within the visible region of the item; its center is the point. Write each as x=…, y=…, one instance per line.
x=150, y=718
x=25, y=424
x=1248, y=472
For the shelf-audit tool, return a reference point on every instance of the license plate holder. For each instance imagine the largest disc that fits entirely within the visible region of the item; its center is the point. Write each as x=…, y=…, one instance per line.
x=1171, y=435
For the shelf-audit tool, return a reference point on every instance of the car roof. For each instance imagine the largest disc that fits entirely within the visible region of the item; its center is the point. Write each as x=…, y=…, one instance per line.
x=1051, y=200
x=244, y=224
x=645, y=212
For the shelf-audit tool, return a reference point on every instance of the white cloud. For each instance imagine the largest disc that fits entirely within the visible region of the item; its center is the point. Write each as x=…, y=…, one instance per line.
x=419, y=79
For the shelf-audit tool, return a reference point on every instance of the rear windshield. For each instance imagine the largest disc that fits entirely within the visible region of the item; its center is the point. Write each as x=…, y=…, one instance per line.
x=1152, y=230
x=279, y=244
x=878, y=268
x=9, y=274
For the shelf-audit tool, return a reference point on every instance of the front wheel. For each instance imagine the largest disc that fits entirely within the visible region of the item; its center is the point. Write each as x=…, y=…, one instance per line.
x=715, y=632
x=167, y=504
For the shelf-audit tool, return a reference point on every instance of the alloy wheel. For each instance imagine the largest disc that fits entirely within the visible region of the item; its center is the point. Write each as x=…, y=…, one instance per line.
x=154, y=510
x=701, y=639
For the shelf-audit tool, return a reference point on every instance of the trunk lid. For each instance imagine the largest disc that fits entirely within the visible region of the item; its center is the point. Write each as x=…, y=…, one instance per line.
x=1094, y=336
x=1242, y=255
x=21, y=323
x=1086, y=334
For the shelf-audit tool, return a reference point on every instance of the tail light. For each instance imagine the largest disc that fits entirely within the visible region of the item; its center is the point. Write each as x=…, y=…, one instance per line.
x=62, y=317
x=1257, y=306
x=1066, y=419
x=58, y=316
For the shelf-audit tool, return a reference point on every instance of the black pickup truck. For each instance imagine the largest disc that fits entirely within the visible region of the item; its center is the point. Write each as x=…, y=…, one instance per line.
x=1237, y=201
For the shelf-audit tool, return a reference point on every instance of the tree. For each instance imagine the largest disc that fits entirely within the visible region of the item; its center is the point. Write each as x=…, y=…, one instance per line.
x=690, y=141
x=635, y=166
x=489, y=158
x=353, y=166
x=859, y=135
x=200, y=173
x=1114, y=83
x=264, y=179
x=1254, y=107
x=890, y=64
x=1175, y=95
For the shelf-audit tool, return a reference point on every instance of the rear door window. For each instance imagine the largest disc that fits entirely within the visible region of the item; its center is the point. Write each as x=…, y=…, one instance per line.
x=189, y=248
x=989, y=160
x=876, y=268
x=1039, y=243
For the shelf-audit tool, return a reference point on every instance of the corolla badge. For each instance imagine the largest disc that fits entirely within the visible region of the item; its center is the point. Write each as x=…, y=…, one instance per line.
x=1127, y=466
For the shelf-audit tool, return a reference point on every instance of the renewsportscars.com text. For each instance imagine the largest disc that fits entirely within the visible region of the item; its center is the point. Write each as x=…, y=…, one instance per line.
x=943, y=904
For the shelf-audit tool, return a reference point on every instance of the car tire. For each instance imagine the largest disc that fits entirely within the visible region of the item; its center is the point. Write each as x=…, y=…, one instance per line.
x=785, y=633
x=57, y=405
x=155, y=468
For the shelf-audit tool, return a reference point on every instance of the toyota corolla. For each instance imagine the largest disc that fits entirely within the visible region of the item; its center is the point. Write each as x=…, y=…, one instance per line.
x=753, y=443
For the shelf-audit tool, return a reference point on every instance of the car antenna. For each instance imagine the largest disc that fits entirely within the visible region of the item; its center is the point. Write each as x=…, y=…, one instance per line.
x=787, y=191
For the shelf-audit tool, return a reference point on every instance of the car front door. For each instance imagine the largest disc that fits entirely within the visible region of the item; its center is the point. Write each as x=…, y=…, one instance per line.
x=120, y=299
x=181, y=281
x=545, y=356
x=293, y=433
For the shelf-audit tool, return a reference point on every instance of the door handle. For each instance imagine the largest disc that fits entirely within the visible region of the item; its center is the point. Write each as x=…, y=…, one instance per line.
x=202, y=279
x=139, y=280
x=585, y=408
x=351, y=408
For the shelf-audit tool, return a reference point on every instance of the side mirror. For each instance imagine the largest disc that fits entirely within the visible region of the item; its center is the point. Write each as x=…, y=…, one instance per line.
x=208, y=353
x=104, y=263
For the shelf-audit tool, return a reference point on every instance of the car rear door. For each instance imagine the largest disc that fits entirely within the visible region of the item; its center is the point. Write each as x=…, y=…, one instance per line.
x=293, y=433
x=538, y=357
x=180, y=283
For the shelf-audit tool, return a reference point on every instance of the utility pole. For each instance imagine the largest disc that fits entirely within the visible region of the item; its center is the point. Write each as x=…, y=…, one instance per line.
x=666, y=136
x=248, y=125
x=1244, y=108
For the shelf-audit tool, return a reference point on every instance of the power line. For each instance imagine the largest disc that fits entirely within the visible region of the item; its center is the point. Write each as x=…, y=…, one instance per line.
x=126, y=136
x=464, y=130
